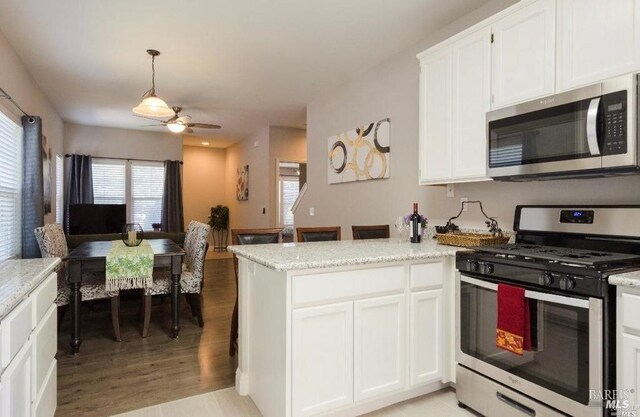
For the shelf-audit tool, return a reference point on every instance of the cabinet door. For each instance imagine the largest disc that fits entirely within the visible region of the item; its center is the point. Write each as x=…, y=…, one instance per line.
x=435, y=117
x=15, y=393
x=379, y=346
x=596, y=40
x=523, y=54
x=322, y=358
x=629, y=366
x=426, y=336
x=471, y=101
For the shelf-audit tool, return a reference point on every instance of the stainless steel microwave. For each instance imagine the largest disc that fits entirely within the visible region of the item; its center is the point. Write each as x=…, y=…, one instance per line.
x=588, y=132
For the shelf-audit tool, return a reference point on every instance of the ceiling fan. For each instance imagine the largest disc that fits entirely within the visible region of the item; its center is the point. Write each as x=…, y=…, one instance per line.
x=179, y=124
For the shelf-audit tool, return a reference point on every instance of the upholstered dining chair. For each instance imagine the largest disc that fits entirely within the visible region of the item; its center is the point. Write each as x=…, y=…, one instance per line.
x=317, y=234
x=191, y=278
x=370, y=232
x=247, y=237
x=53, y=244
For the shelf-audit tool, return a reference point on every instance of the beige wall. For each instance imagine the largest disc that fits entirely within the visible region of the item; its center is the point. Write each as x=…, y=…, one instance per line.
x=285, y=144
x=108, y=142
x=253, y=151
x=18, y=83
x=391, y=90
x=203, y=178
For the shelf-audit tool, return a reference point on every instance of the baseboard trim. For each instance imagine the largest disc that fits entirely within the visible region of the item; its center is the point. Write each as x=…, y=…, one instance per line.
x=242, y=383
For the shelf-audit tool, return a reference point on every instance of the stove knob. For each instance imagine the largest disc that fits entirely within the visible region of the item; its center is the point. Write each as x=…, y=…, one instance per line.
x=567, y=283
x=488, y=269
x=473, y=266
x=547, y=279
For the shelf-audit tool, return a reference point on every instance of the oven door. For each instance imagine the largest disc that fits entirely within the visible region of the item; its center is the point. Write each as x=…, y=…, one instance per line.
x=566, y=358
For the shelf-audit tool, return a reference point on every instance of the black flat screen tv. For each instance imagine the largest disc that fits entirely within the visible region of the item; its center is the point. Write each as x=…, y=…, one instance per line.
x=89, y=219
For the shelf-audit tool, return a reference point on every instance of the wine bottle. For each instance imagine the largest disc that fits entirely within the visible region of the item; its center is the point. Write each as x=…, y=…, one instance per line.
x=415, y=226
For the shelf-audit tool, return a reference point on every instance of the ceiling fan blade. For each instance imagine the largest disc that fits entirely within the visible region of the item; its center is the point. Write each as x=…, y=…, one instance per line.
x=204, y=125
x=189, y=130
x=153, y=125
x=150, y=118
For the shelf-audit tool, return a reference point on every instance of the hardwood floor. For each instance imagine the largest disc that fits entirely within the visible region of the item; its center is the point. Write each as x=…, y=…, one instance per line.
x=108, y=377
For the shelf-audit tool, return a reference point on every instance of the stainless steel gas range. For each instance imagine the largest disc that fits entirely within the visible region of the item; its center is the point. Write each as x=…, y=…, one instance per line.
x=562, y=258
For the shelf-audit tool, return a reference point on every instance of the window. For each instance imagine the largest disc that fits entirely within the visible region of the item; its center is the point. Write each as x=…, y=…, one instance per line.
x=10, y=188
x=109, y=181
x=59, y=188
x=147, y=186
x=137, y=184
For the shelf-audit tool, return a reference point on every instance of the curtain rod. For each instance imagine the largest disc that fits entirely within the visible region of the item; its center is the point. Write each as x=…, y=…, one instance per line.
x=4, y=94
x=124, y=159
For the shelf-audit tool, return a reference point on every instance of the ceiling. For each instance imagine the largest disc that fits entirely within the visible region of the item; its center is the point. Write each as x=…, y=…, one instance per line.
x=242, y=64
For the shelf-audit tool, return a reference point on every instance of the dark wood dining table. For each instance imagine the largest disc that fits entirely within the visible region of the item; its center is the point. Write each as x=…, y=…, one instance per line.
x=91, y=257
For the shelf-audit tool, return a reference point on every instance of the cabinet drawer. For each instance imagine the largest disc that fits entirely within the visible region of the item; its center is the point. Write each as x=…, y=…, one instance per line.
x=347, y=284
x=42, y=298
x=45, y=404
x=45, y=343
x=631, y=311
x=16, y=327
x=428, y=275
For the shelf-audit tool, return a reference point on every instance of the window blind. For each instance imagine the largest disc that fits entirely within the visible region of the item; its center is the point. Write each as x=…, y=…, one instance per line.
x=10, y=188
x=147, y=187
x=59, y=188
x=109, y=181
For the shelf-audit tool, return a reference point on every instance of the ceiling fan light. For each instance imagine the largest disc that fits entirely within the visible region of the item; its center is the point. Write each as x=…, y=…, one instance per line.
x=153, y=106
x=176, y=127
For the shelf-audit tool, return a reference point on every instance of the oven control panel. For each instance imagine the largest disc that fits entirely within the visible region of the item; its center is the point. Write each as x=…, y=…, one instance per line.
x=576, y=216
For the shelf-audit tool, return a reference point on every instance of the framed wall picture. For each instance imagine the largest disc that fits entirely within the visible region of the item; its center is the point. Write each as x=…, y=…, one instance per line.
x=242, y=186
x=360, y=154
x=47, y=166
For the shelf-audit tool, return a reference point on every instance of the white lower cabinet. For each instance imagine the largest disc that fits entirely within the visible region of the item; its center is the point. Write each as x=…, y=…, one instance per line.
x=426, y=336
x=322, y=358
x=15, y=393
x=628, y=343
x=379, y=345
x=370, y=342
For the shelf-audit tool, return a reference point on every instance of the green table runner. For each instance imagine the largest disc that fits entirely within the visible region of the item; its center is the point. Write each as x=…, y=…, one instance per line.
x=129, y=267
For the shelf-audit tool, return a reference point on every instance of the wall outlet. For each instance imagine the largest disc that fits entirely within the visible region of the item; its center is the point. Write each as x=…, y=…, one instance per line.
x=450, y=190
x=466, y=206
x=312, y=211
x=256, y=144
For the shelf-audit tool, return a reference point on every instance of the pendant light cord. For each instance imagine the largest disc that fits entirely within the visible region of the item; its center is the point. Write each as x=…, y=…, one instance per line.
x=153, y=74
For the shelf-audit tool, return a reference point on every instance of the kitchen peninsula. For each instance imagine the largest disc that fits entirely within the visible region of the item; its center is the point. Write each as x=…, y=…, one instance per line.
x=343, y=327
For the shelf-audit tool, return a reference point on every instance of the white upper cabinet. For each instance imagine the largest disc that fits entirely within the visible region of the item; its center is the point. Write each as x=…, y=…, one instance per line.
x=435, y=117
x=596, y=40
x=471, y=97
x=523, y=64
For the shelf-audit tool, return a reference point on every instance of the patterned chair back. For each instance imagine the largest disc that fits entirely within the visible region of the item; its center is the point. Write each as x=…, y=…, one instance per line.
x=52, y=242
x=195, y=246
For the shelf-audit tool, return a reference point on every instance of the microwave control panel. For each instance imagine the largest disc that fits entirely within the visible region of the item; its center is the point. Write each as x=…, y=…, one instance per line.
x=614, y=123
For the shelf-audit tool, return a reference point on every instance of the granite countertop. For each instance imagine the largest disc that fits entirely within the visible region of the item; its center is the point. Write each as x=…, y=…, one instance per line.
x=18, y=277
x=627, y=279
x=297, y=256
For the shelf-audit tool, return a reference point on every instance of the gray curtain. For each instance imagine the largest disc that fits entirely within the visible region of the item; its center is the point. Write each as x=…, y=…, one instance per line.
x=32, y=185
x=172, y=214
x=79, y=184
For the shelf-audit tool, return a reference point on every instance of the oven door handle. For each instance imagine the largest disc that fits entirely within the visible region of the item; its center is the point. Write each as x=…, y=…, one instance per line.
x=592, y=127
x=552, y=298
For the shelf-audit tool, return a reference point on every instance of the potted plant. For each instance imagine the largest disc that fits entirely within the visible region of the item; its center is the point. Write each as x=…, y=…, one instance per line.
x=219, y=222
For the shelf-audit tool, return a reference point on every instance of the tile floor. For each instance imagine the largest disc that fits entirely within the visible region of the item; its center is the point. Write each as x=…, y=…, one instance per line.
x=227, y=403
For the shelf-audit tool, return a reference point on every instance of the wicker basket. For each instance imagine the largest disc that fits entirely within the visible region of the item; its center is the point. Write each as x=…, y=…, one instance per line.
x=470, y=239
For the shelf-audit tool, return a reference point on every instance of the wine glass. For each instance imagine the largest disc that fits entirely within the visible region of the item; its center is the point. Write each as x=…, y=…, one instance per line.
x=400, y=226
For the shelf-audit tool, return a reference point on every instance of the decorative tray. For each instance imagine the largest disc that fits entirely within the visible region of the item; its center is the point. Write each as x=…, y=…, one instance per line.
x=470, y=239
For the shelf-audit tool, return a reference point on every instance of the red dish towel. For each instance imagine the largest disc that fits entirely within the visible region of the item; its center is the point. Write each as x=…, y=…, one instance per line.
x=514, y=323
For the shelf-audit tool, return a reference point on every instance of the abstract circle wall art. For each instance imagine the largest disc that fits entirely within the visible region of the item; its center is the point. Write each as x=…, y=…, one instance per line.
x=361, y=154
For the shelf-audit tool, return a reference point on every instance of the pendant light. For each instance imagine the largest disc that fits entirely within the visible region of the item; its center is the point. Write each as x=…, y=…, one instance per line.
x=152, y=106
